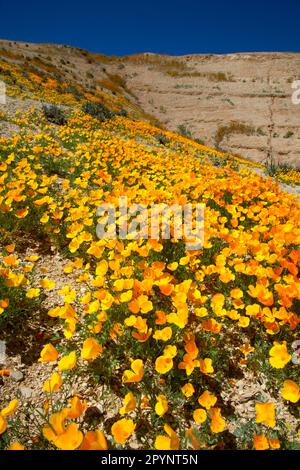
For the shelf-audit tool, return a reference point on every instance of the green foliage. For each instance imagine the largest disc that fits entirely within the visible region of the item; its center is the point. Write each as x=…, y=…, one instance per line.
x=162, y=139
x=199, y=141
x=54, y=114
x=184, y=131
x=97, y=110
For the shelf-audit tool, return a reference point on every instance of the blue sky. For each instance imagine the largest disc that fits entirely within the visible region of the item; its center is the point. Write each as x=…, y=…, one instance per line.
x=117, y=27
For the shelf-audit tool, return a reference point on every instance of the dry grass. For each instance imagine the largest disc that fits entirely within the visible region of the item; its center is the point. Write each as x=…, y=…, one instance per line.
x=235, y=127
x=212, y=76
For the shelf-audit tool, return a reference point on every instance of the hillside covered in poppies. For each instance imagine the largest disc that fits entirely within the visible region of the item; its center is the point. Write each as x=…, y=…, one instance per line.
x=138, y=343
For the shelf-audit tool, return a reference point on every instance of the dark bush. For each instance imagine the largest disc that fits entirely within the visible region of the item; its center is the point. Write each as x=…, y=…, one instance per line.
x=289, y=134
x=234, y=127
x=162, y=139
x=122, y=112
x=54, y=114
x=199, y=141
x=98, y=111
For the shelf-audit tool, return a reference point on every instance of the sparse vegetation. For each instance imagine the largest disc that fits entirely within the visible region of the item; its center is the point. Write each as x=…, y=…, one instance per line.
x=283, y=171
x=89, y=75
x=184, y=131
x=272, y=167
x=235, y=127
x=212, y=76
x=289, y=134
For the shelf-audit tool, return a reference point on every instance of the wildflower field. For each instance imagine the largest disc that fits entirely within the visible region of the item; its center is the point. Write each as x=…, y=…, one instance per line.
x=141, y=343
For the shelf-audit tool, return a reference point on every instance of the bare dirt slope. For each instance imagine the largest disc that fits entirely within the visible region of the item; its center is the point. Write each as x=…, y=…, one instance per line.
x=240, y=103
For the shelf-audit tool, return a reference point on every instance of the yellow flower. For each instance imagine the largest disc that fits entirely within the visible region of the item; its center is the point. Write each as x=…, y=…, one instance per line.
x=169, y=442
x=188, y=390
x=70, y=439
x=16, y=446
x=199, y=415
x=236, y=293
x=91, y=349
x=129, y=404
x=74, y=245
x=170, y=351
x=65, y=438
x=243, y=322
x=206, y=366
x=252, y=310
x=77, y=408
x=265, y=414
x=53, y=384
x=184, y=260
x=44, y=219
x=32, y=293
x=3, y=424
x=161, y=406
x=70, y=327
x=163, y=364
x=217, y=421
x=290, y=391
x=10, y=248
x=122, y=430
x=48, y=354
x=207, y=399
x=145, y=305
x=274, y=443
x=21, y=214
x=136, y=374
x=10, y=409
x=279, y=355
x=86, y=298
x=201, y=312
x=172, y=266
x=217, y=303
x=164, y=335
x=126, y=296
x=47, y=284
x=261, y=442
x=67, y=362
x=94, y=440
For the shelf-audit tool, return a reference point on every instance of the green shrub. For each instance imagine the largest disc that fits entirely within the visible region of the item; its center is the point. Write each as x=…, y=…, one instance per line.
x=97, y=110
x=184, y=131
x=272, y=167
x=162, y=139
x=122, y=112
x=54, y=114
x=289, y=134
x=199, y=141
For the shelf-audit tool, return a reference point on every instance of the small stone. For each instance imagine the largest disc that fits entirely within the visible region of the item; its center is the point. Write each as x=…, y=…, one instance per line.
x=134, y=445
x=26, y=392
x=17, y=375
